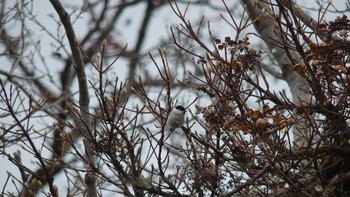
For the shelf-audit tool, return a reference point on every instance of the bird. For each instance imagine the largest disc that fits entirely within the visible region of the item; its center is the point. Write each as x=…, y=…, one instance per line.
x=176, y=118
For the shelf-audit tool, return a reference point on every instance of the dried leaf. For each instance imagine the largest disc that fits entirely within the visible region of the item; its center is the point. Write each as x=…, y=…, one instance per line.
x=313, y=47
x=287, y=122
x=316, y=62
x=249, y=111
x=254, y=114
x=290, y=121
x=309, y=57
x=277, y=118
x=245, y=128
x=301, y=70
x=340, y=68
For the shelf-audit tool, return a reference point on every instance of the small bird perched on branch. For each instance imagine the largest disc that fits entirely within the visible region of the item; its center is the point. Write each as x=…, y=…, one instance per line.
x=176, y=118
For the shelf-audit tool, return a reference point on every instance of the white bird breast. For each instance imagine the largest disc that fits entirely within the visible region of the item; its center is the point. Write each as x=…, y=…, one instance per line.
x=176, y=119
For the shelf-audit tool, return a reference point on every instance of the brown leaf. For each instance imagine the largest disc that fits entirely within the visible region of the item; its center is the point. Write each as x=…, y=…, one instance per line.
x=276, y=118
x=250, y=110
x=340, y=68
x=309, y=57
x=313, y=47
x=301, y=70
x=316, y=62
x=254, y=114
x=245, y=128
